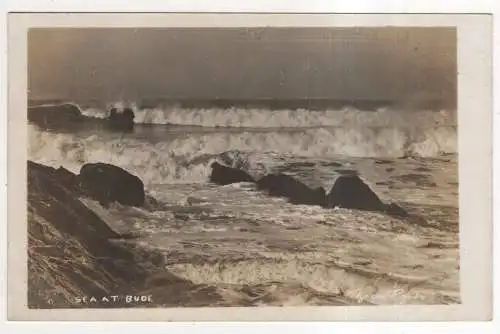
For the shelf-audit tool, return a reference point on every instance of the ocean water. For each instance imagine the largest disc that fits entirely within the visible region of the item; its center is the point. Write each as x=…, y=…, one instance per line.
x=256, y=250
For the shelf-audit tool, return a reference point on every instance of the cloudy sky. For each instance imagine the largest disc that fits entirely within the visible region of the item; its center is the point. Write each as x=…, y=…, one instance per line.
x=344, y=63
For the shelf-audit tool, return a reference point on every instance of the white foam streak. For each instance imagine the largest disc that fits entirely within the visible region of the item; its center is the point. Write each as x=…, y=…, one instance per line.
x=254, y=117
x=94, y=113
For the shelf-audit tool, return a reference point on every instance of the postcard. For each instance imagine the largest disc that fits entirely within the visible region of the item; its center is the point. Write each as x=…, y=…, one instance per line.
x=249, y=167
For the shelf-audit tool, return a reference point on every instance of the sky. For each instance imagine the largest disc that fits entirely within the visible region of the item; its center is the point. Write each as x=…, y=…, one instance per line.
x=239, y=63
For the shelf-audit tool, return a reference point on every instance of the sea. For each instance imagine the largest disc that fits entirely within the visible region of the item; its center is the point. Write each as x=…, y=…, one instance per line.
x=257, y=250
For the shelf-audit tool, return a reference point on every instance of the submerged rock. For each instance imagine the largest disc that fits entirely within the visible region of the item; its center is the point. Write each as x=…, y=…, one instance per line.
x=108, y=183
x=282, y=185
x=224, y=175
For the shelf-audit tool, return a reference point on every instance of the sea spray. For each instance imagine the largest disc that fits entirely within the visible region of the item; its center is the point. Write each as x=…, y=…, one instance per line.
x=187, y=159
x=265, y=118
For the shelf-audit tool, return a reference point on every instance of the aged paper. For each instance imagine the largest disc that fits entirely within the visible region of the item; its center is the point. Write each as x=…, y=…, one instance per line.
x=249, y=167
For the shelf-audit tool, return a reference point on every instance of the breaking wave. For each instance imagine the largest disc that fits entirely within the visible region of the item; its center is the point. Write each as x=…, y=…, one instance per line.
x=261, y=118
x=187, y=159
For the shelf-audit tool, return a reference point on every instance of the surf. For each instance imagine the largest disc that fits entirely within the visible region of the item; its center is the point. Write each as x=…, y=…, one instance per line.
x=257, y=117
x=176, y=156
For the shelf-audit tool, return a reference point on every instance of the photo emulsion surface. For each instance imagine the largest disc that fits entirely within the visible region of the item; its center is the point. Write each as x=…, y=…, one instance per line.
x=242, y=167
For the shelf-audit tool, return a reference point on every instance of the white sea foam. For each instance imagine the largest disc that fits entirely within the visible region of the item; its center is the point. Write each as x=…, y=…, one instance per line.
x=255, y=117
x=316, y=276
x=187, y=159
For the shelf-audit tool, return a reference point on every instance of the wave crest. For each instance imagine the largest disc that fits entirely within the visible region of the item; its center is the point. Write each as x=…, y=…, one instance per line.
x=261, y=118
x=187, y=159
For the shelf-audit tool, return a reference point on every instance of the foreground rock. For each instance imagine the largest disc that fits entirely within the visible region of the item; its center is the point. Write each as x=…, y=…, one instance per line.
x=55, y=116
x=123, y=121
x=67, y=179
x=46, y=182
x=72, y=254
x=283, y=185
x=107, y=183
x=63, y=232
x=224, y=175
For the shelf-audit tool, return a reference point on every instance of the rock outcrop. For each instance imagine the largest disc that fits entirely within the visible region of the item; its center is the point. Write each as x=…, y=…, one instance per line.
x=76, y=261
x=107, y=183
x=69, y=248
x=122, y=121
x=224, y=175
x=349, y=191
x=55, y=116
x=282, y=185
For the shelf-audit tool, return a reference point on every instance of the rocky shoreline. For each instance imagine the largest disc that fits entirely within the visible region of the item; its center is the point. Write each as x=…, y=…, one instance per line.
x=75, y=260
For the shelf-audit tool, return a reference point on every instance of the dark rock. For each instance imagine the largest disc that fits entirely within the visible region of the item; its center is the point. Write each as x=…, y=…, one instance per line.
x=108, y=183
x=122, y=121
x=69, y=252
x=395, y=210
x=55, y=116
x=224, y=175
x=33, y=166
x=349, y=191
x=67, y=179
x=44, y=182
x=61, y=175
x=282, y=185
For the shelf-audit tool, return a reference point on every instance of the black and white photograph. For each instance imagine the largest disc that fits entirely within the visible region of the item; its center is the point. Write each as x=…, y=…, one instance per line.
x=259, y=166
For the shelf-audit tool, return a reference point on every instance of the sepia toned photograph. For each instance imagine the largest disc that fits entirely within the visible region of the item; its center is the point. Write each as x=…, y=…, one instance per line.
x=242, y=167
